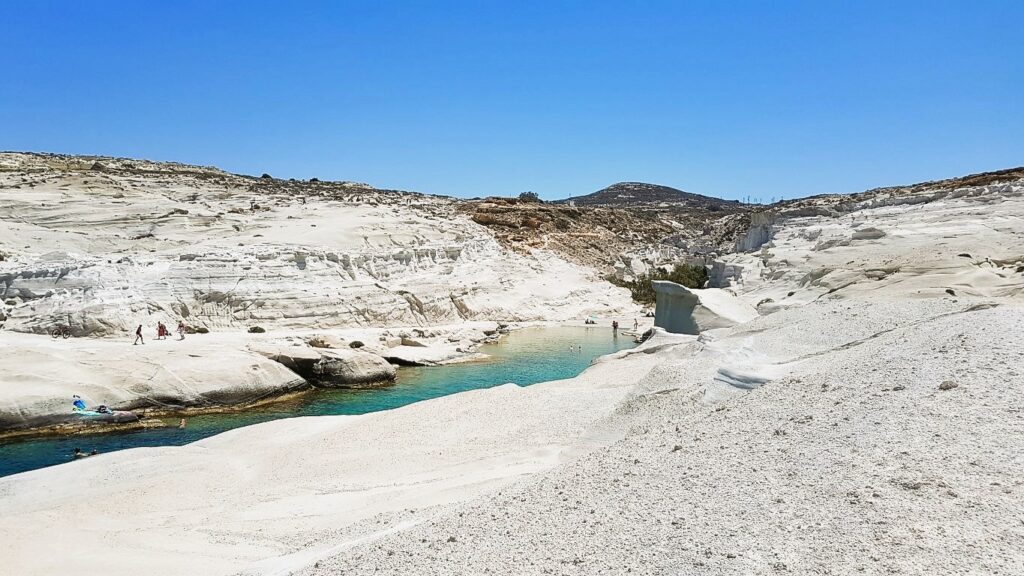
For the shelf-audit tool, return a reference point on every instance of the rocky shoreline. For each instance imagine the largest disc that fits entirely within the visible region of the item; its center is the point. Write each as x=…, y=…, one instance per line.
x=170, y=378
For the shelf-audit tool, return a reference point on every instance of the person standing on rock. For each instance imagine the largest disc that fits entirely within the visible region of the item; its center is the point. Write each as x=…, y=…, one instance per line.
x=636, y=324
x=138, y=335
x=181, y=329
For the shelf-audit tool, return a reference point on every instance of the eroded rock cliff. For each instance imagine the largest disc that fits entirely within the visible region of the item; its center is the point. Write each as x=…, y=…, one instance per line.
x=106, y=248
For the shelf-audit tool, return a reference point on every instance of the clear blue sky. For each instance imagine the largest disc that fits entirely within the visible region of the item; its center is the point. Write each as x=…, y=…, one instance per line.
x=477, y=98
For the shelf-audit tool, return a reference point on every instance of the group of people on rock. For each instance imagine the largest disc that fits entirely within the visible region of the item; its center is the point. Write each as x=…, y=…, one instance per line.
x=615, y=323
x=161, y=332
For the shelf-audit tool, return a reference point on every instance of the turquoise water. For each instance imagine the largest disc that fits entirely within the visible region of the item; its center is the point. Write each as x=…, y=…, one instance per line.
x=523, y=357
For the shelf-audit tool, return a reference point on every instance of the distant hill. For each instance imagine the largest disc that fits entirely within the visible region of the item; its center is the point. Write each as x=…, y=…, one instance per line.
x=644, y=194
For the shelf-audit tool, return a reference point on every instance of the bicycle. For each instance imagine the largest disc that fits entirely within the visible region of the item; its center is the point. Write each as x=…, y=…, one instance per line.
x=61, y=332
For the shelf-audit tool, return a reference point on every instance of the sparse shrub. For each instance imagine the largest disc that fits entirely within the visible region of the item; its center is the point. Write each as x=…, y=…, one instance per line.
x=642, y=291
x=202, y=330
x=314, y=179
x=356, y=344
x=256, y=330
x=266, y=176
x=11, y=302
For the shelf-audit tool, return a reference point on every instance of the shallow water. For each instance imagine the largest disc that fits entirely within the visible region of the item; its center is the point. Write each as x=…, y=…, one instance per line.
x=523, y=357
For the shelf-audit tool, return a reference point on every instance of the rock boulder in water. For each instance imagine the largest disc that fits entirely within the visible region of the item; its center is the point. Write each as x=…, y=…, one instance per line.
x=352, y=369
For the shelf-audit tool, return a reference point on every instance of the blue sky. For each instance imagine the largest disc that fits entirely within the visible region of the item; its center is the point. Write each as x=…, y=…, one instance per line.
x=730, y=99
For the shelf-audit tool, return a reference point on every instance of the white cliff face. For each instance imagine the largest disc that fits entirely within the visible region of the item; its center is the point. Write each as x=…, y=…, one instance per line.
x=106, y=250
x=759, y=233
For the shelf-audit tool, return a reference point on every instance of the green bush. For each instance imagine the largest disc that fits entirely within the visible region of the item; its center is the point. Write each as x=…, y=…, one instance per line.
x=642, y=291
x=529, y=197
x=256, y=330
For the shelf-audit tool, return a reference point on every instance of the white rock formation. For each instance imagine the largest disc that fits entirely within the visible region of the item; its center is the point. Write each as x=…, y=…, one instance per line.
x=297, y=481
x=967, y=243
x=685, y=311
x=39, y=376
x=108, y=250
x=340, y=367
x=824, y=438
x=352, y=369
x=759, y=233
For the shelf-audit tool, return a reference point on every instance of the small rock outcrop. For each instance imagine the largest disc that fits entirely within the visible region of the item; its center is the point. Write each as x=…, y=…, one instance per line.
x=685, y=311
x=299, y=359
x=759, y=233
x=352, y=369
x=868, y=234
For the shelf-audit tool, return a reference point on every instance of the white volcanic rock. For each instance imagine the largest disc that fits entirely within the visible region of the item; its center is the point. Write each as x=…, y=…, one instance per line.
x=849, y=459
x=758, y=234
x=39, y=376
x=847, y=431
x=105, y=251
x=969, y=241
x=296, y=357
x=685, y=311
x=291, y=484
x=352, y=369
x=819, y=439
